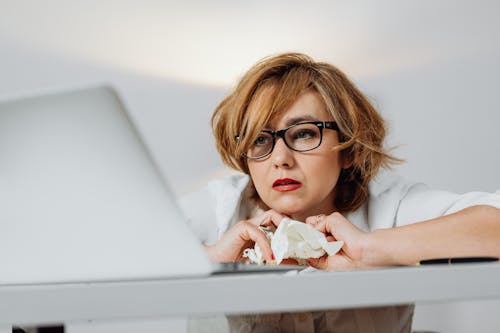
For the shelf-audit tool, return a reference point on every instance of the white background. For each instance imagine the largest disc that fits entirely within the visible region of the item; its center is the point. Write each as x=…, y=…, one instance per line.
x=430, y=67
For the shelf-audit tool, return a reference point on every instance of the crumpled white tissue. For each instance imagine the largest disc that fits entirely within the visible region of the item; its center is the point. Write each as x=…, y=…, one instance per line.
x=295, y=240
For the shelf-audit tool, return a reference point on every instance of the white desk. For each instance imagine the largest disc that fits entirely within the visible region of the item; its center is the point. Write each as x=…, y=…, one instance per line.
x=59, y=303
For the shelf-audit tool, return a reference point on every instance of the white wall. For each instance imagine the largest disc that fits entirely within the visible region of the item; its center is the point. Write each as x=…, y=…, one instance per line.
x=445, y=117
x=431, y=68
x=173, y=116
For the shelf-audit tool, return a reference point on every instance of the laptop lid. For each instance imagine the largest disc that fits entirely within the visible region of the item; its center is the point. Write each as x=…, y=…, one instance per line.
x=81, y=198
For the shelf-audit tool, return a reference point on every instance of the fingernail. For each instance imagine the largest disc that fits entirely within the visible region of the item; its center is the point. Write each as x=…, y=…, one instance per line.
x=272, y=256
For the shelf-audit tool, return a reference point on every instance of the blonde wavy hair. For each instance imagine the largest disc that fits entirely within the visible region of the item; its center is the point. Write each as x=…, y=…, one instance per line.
x=271, y=86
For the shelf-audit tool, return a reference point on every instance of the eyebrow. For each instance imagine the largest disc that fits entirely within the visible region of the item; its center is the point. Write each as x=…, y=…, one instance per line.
x=295, y=120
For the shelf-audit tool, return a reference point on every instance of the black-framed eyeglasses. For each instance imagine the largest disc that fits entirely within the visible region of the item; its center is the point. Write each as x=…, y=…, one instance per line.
x=300, y=137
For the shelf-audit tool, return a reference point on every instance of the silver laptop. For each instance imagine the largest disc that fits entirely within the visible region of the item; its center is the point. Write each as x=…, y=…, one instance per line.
x=82, y=200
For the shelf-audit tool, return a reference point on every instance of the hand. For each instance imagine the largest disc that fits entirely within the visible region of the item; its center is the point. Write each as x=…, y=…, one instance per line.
x=243, y=235
x=337, y=227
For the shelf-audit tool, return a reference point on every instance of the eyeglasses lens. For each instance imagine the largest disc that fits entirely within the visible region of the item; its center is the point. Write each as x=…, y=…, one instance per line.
x=301, y=137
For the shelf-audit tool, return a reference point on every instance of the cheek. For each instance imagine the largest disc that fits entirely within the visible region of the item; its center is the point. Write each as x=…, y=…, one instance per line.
x=325, y=172
x=258, y=173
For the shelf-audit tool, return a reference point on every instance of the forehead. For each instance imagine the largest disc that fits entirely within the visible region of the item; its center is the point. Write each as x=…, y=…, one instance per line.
x=308, y=106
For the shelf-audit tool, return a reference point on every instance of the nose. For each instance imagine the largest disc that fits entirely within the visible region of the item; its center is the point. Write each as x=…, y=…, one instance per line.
x=282, y=156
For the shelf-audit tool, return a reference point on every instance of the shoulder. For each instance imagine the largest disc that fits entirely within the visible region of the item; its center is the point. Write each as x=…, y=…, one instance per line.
x=230, y=185
x=385, y=194
x=211, y=210
x=389, y=184
x=395, y=201
x=215, y=190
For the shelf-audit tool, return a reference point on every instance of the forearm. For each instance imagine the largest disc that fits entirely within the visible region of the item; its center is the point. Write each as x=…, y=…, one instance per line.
x=474, y=231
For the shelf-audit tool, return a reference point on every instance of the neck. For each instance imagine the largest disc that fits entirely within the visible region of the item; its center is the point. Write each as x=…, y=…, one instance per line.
x=301, y=216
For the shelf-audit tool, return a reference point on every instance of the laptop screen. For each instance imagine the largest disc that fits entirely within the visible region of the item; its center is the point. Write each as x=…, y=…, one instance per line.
x=81, y=197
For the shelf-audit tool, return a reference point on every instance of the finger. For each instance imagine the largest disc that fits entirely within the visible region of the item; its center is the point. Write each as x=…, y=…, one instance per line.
x=330, y=238
x=323, y=226
x=319, y=263
x=271, y=217
x=276, y=218
x=256, y=235
x=289, y=261
x=326, y=224
x=315, y=219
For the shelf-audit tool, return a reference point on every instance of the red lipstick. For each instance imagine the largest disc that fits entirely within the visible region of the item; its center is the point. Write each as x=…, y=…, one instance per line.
x=286, y=184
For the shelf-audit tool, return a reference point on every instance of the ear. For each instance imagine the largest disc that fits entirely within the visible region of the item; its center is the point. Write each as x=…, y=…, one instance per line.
x=347, y=160
x=347, y=165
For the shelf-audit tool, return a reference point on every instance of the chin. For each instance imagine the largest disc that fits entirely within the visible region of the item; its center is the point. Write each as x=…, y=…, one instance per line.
x=288, y=209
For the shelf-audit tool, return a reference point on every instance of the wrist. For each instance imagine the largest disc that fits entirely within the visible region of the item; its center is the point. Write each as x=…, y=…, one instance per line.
x=377, y=250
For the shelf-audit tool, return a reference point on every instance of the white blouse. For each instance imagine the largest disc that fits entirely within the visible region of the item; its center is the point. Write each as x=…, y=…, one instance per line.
x=392, y=202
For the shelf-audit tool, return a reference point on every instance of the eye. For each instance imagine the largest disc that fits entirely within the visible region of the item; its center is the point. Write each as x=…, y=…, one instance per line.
x=262, y=140
x=304, y=134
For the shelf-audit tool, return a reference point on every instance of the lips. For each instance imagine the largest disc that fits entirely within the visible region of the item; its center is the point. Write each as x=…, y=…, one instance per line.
x=286, y=184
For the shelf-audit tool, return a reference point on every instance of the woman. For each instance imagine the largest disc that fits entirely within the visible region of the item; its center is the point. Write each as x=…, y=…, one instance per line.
x=312, y=146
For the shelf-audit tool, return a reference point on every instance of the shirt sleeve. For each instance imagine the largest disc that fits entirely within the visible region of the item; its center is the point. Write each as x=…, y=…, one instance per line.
x=421, y=203
x=213, y=209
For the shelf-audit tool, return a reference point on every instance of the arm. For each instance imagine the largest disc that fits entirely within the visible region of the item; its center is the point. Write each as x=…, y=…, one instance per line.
x=244, y=234
x=474, y=231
